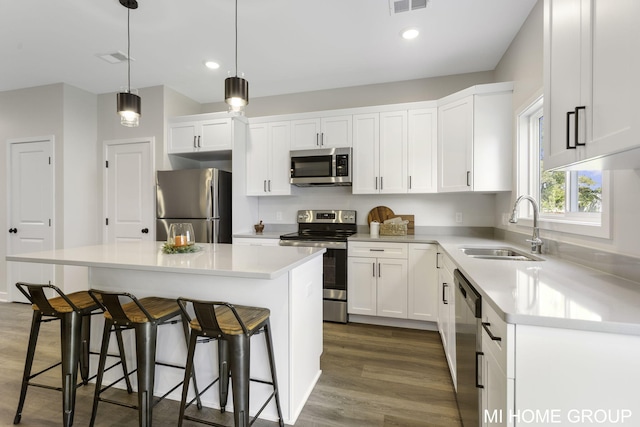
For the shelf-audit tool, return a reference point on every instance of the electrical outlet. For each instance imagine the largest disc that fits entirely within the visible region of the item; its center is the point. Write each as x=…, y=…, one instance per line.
x=279, y=216
x=459, y=217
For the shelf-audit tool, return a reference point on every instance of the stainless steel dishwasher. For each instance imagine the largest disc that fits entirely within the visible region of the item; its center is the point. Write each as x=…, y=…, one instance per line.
x=468, y=308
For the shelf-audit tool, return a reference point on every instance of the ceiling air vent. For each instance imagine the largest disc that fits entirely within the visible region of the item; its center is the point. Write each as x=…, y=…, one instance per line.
x=114, y=58
x=398, y=6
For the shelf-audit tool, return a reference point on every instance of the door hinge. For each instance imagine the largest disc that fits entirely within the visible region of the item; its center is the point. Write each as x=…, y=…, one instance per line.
x=106, y=164
x=106, y=221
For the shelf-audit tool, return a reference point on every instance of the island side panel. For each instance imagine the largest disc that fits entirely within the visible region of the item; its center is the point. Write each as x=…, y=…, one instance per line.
x=271, y=294
x=306, y=331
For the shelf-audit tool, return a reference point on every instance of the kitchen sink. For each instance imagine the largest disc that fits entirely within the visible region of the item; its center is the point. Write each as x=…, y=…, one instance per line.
x=503, y=253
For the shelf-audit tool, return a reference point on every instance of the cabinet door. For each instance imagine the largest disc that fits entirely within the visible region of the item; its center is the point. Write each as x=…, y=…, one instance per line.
x=563, y=76
x=393, y=152
x=215, y=135
x=455, y=139
x=422, y=298
x=422, y=143
x=392, y=288
x=336, y=132
x=443, y=308
x=366, y=140
x=279, y=166
x=495, y=410
x=182, y=137
x=305, y=134
x=257, y=159
x=361, y=286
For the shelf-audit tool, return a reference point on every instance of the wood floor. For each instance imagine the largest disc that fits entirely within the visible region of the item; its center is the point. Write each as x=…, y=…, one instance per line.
x=372, y=376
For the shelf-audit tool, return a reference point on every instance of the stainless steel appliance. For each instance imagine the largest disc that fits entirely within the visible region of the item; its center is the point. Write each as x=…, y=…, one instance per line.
x=325, y=166
x=328, y=229
x=201, y=197
x=468, y=306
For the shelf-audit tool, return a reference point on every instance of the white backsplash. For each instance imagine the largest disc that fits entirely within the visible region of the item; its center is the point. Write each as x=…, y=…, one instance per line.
x=478, y=210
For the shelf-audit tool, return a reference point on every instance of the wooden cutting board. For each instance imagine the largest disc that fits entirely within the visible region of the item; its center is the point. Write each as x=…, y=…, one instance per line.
x=379, y=213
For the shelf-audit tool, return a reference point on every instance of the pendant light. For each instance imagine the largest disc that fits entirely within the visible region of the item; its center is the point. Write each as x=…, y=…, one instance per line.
x=129, y=106
x=236, y=89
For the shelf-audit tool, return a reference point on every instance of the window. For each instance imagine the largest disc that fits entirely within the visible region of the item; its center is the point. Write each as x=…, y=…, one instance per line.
x=569, y=201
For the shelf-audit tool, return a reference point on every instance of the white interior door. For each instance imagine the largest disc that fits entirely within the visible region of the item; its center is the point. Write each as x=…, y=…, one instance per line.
x=129, y=191
x=31, y=195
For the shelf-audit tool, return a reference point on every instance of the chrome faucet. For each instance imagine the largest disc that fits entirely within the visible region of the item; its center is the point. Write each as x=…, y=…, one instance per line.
x=536, y=243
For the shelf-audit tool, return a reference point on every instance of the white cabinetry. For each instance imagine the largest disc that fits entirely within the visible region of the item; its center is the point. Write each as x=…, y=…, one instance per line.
x=446, y=310
x=191, y=135
x=380, y=153
x=591, y=64
x=422, y=295
x=324, y=132
x=422, y=145
x=377, y=279
x=497, y=401
x=475, y=139
x=268, y=159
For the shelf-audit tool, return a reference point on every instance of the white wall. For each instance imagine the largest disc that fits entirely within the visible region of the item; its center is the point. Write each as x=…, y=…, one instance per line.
x=522, y=63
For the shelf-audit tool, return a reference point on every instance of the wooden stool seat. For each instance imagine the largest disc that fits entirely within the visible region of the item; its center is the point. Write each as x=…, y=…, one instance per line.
x=157, y=307
x=81, y=300
x=252, y=317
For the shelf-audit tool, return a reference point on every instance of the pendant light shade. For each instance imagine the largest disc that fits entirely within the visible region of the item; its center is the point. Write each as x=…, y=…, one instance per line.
x=236, y=92
x=129, y=104
x=129, y=108
x=236, y=89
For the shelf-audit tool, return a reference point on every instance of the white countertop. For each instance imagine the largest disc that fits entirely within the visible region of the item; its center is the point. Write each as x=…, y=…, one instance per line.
x=553, y=292
x=259, y=262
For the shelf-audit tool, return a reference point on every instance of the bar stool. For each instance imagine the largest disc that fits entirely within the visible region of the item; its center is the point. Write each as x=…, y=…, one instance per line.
x=232, y=326
x=143, y=316
x=74, y=312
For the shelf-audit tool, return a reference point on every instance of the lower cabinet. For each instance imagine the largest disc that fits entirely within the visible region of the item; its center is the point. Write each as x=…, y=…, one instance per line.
x=446, y=310
x=422, y=290
x=377, y=279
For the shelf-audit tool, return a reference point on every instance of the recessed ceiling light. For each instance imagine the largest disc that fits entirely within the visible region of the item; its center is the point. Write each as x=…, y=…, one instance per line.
x=212, y=65
x=410, y=33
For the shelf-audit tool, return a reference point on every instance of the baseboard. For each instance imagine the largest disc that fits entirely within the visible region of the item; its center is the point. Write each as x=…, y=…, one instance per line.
x=398, y=323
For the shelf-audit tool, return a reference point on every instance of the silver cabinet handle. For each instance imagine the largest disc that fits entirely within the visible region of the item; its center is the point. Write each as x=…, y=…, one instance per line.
x=379, y=270
x=381, y=183
x=468, y=176
x=269, y=185
x=264, y=186
x=373, y=264
x=376, y=182
x=318, y=139
x=199, y=142
x=444, y=290
x=322, y=139
x=409, y=182
x=486, y=325
x=195, y=145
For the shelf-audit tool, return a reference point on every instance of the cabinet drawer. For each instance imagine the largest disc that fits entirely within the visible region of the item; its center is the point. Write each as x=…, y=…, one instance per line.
x=378, y=250
x=500, y=338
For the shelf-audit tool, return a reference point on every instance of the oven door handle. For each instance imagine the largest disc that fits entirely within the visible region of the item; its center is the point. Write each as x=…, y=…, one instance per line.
x=314, y=244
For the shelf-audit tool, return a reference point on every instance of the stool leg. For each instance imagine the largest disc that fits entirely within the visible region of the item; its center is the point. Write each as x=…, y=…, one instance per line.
x=85, y=340
x=70, y=337
x=185, y=328
x=123, y=359
x=188, y=371
x=146, y=334
x=31, y=349
x=272, y=366
x=223, y=373
x=106, y=334
x=240, y=346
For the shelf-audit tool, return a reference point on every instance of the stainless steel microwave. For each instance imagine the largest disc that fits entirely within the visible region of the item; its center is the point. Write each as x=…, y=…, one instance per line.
x=325, y=166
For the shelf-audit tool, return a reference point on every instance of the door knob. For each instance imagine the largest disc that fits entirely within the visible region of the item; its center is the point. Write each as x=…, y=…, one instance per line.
x=13, y=230
x=145, y=230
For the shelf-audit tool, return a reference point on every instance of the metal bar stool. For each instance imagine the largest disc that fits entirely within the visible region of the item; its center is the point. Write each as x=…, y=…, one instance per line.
x=233, y=327
x=143, y=316
x=74, y=312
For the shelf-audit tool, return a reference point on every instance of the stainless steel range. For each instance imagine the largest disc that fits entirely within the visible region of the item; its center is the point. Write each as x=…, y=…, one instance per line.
x=328, y=229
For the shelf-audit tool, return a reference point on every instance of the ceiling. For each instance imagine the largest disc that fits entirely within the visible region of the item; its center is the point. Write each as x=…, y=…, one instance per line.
x=284, y=46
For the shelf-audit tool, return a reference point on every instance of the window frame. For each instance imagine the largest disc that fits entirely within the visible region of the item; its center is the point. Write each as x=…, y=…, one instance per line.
x=528, y=182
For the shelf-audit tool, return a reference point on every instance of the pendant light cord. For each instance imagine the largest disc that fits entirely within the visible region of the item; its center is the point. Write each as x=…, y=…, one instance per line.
x=236, y=38
x=128, y=51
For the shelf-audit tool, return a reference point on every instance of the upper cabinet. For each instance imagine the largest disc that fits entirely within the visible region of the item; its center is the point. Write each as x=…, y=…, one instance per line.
x=324, y=132
x=189, y=135
x=475, y=139
x=591, y=64
x=380, y=153
x=395, y=151
x=267, y=166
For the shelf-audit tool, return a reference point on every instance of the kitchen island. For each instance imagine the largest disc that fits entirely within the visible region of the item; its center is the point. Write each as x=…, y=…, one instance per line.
x=286, y=280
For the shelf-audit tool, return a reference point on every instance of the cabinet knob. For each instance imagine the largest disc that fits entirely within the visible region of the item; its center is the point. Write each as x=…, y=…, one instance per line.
x=13, y=230
x=145, y=230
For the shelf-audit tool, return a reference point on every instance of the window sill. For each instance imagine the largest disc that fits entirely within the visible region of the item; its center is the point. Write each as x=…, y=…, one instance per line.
x=601, y=230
